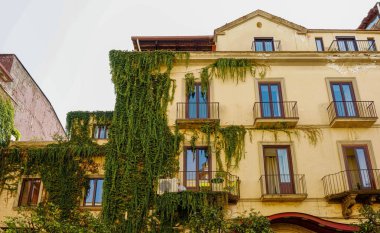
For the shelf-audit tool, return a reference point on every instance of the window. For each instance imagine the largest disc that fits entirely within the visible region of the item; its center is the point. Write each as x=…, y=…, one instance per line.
x=278, y=170
x=358, y=167
x=271, y=100
x=197, y=104
x=347, y=44
x=264, y=45
x=371, y=44
x=319, y=44
x=344, y=99
x=197, y=168
x=101, y=132
x=94, y=193
x=30, y=190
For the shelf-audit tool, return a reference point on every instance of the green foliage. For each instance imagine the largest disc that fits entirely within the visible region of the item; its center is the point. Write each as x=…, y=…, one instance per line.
x=205, y=81
x=62, y=168
x=207, y=219
x=233, y=144
x=175, y=209
x=371, y=221
x=190, y=84
x=46, y=218
x=141, y=147
x=253, y=223
x=7, y=128
x=79, y=124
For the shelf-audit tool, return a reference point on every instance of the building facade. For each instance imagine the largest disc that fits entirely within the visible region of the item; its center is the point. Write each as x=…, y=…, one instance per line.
x=35, y=117
x=310, y=158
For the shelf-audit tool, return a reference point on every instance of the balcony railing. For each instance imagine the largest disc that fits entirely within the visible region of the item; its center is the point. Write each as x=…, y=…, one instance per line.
x=353, y=45
x=209, y=181
x=198, y=111
x=275, y=113
x=267, y=46
x=283, y=184
x=351, y=109
x=365, y=181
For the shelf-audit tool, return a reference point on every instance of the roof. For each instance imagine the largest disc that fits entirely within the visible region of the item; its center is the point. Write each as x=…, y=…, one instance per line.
x=263, y=14
x=176, y=43
x=372, y=13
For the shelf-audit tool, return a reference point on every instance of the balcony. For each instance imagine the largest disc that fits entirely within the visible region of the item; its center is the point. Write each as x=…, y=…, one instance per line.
x=266, y=46
x=351, y=45
x=275, y=114
x=363, y=183
x=352, y=114
x=196, y=114
x=283, y=187
x=205, y=181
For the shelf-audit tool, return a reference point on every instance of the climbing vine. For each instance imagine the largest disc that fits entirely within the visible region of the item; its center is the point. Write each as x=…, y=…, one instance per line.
x=7, y=128
x=79, y=123
x=142, y=148
x=233, y=144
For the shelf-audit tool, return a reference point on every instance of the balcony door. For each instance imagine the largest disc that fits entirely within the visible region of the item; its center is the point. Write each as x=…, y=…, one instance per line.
x=278, y=170
x=197, y=172
x=271, y=100
x=359, y=170
x=344, y=99
x=197, y=104
x=347, y=44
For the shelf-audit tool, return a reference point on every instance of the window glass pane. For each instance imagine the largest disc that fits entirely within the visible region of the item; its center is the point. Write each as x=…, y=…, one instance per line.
x=350, y=106
x=90, y=193
x=202, y=105
x=283, y=165
x=192, y=105
x=259, y=46
x=190, y=168
x=364, y=172
x=339, y=105
x=34, y=191
x=102, y=133
x=319, y=44
x=99, y=192
x=269, y=45
x=265, y=105
x=25, y=193
x=96, y=132
x=351, y=45
x=275, y=100
x=342, y=45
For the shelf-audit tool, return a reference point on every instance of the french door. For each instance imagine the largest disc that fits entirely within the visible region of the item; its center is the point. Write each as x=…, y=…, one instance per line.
x=271, y=100
x=347, y=44
x=197, y=104
x=344, y=99
x=359, y=170
x=197, y=172
x=278, y=170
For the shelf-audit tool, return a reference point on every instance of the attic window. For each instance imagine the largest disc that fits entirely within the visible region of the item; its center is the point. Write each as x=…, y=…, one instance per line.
x=263, y=45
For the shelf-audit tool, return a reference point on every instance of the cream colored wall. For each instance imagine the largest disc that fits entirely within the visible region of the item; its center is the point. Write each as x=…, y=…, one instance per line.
x=307, y=83
x=240, y=37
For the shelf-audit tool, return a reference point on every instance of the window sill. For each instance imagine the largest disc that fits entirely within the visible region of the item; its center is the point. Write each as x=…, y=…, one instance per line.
x=91, y=208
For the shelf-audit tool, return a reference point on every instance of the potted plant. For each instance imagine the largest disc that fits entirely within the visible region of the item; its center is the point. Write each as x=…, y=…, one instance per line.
x=217, y=184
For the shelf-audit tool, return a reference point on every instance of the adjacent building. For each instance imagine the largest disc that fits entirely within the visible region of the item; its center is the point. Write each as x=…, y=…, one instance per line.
x=35, y=117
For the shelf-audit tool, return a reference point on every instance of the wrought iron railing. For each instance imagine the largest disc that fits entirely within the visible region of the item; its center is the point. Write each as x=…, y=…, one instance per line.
x=213, y=181
x=282, y=110
x=351, y=109
x=365, y=180
x=260, y=46
x=353, y=45
x=208, y=110
x=283, y=184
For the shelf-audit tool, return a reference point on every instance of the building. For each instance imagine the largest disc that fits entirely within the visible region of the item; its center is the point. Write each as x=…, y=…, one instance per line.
x=311, y=158
x=35, y=117
x=372, y=20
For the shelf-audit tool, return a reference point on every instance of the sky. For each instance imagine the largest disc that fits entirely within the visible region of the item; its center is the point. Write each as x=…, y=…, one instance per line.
x=64, y=44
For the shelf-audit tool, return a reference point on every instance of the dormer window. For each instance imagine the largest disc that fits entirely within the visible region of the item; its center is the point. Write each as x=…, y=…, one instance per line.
x=263, y=45
x=100, y=132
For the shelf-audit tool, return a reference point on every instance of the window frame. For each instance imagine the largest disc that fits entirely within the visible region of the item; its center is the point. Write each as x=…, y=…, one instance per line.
x=263, y=40
x=345, y=39
x=98, y=136
x=21, y=192
x=322, y=44
x=281, y=99
x=93, y=194
x=184, y=179
x=198, y=85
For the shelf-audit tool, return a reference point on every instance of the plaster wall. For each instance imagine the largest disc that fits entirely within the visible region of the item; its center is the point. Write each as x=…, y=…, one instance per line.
x=34, y=115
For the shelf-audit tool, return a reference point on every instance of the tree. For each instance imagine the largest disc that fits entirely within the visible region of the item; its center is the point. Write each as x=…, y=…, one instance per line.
x=371, y=221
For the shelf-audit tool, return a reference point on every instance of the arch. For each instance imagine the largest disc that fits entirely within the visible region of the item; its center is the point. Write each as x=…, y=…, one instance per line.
x=311, y=222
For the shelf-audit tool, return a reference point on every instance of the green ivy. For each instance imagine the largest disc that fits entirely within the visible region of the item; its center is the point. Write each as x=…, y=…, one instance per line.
x=142, y=147
x=7, y=128
x=79, y=125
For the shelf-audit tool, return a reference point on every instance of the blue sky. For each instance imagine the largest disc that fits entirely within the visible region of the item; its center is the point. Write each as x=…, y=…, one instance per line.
x=65, y=44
